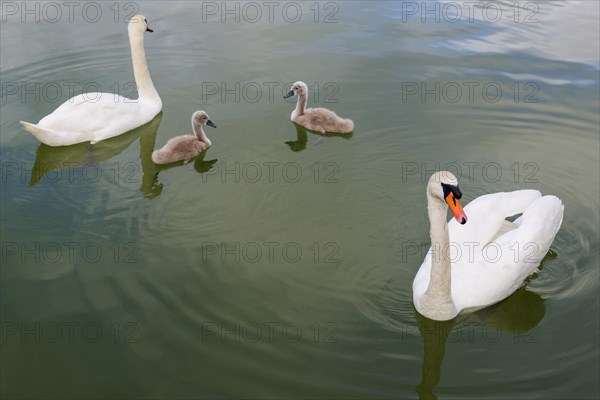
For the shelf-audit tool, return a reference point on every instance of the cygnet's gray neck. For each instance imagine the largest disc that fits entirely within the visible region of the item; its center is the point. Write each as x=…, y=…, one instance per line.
x=300, y=105
x=199, y=132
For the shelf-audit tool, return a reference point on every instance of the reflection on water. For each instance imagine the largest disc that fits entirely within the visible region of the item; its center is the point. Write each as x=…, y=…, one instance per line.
x=545, y=29
x=80, y=155
x=371, y=208
x=147, y=142
x=302, y=137
x=200, y=165
x=517, y=315
x=434, y=335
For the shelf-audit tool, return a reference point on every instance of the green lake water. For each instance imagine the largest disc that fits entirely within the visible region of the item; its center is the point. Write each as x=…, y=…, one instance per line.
x=280, y=263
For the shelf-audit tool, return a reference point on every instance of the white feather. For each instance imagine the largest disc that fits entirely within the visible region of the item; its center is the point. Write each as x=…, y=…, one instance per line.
x=490, y=257
x=93, y=117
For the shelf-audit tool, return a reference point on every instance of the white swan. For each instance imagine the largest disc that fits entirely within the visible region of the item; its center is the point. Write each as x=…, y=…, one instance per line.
x=476, y=264
x=316, y=119
x=97, y=116
x=186, y=147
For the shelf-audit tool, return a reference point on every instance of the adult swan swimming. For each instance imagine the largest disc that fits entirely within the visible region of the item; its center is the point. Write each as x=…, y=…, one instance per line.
x=476, y=264
x=97, y=116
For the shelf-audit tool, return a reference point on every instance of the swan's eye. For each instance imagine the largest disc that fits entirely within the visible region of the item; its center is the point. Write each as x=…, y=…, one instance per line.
x=447, y=189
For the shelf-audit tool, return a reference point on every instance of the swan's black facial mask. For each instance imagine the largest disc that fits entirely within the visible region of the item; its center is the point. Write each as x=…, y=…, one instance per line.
x=451, y=189
x=452, y=195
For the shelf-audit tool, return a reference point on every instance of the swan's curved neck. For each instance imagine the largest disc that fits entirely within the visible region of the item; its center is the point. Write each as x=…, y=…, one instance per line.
x=300, y=105
x=438, y=296
x=199, y=132
x=140, y=68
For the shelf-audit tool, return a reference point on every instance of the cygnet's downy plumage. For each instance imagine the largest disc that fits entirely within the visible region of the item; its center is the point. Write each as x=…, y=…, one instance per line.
x=186, y=147
x=316, y=119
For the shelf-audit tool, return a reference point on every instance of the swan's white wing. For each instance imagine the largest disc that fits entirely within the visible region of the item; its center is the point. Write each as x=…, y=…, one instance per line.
x=486, y=215
x=495, y=271
x=536, y=230
x=484, y=273
x=109, y=115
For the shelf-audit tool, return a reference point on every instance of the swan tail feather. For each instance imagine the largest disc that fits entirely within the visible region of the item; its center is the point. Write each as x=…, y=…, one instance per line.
x=44, y=135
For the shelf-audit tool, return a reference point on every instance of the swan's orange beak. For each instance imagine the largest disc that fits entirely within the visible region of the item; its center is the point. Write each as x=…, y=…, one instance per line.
x=456, y=208
x=148, y=29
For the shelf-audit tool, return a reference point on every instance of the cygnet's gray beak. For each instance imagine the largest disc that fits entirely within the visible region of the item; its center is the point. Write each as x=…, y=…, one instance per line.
x=210, y=123
x=289, y=94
